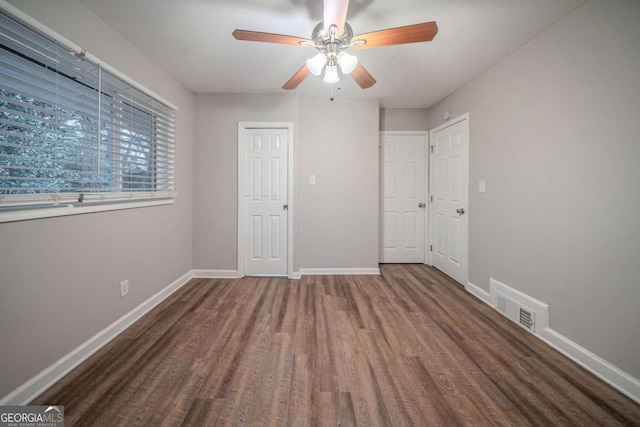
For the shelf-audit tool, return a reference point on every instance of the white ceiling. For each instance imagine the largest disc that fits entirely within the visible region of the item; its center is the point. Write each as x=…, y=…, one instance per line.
x=192, y=40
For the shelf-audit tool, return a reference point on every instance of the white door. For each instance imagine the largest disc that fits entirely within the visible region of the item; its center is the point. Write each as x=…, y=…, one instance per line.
x=403, y=188
x=449, y=179
x=265, y=197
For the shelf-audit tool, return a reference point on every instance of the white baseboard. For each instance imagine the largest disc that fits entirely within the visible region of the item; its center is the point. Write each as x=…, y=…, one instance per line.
x=49, y=376
x=339, y=271
x=479, y=293
x=228, y=274
x=215, y=274
x=614, y=376
x=607, y=372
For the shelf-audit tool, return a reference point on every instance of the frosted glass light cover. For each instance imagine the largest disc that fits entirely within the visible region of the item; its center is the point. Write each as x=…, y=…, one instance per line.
x=347, y=62
x=316, y=64
x=331, y=74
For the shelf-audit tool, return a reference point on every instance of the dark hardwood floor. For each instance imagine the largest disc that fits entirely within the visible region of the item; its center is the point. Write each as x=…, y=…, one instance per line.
x=408, y=347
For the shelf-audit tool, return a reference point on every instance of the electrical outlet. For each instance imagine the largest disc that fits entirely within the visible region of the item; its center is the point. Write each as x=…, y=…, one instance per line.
x=124, y=288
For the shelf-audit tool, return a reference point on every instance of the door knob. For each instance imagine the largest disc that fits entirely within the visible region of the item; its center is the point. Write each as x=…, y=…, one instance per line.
x=285, y=207
x=460, y=211
x=421, y=205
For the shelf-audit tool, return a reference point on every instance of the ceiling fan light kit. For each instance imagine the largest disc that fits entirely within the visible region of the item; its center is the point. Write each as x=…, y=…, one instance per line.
x=331, y=52
x=317, y=63
x=333, y=37
x=347, y=62
x=331, y=74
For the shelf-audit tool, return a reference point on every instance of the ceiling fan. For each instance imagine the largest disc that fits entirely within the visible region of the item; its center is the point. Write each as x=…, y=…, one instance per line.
x=333, y=37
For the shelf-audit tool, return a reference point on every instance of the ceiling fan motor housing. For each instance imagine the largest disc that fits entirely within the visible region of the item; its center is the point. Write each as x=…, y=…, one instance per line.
x=331, y=45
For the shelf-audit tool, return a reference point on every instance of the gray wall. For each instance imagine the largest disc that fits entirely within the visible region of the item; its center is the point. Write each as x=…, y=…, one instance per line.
x=215, y=213
x=336, y=141
x=404, y=119
x=555, y=132
x=339, y=214
x=60, y=276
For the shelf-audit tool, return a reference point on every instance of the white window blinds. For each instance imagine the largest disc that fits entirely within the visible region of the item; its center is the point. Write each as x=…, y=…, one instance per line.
x=71, y=130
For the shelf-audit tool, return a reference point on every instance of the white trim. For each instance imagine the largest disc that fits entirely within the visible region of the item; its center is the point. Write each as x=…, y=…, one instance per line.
x=242, y=126
x=290, y=194
x=295, y=275
x=50, y=375
x=18, y=13
x=339, y=271
x=479, y=293
x=215, y=274
x=76, y=209
x=614, y=376
x=403, y=132
x=427, y=175
x=451, y=122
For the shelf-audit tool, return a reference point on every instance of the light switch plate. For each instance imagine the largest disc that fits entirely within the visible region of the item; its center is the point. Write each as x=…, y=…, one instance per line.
x=312, y=179
x=482, y=186
x=124, y=288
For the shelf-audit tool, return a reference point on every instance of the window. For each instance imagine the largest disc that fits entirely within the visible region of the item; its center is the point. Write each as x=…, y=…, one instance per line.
x=73, y=131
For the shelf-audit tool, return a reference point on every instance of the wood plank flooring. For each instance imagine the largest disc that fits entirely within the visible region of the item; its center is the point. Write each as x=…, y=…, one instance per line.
x=409, y=347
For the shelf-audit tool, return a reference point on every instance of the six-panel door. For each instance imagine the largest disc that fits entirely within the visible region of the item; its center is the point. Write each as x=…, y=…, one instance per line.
x=403, y=180
x=449, y=188
x=265, y=195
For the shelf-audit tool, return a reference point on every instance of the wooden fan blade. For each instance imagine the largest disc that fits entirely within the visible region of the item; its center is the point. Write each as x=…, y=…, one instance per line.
x=335, y=13
x=297, y=78
x=362, y=77
x=256, y=36
x=410, y=34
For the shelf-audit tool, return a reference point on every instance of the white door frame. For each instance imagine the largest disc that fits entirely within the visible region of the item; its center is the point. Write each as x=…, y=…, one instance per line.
x=451, y=122
x=242, y=127
x=427, y=257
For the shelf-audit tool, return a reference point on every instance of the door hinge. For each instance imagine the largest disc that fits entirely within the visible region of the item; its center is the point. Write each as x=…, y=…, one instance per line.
x=430, y=248
x=431, y=149
x=431, y=199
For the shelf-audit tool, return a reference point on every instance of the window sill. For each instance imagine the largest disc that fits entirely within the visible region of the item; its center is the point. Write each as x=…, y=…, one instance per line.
x=62, y=209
